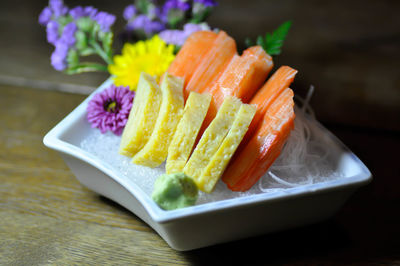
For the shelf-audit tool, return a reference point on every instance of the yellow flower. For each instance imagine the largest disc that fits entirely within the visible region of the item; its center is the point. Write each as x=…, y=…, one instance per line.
x=152, y=56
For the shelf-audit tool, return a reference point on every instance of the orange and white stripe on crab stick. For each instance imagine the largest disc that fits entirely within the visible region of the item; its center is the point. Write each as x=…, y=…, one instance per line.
x=212, y=65
x=191, y=53
x=242, y=78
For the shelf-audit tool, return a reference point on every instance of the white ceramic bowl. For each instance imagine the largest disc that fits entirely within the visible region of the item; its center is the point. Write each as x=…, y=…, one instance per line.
x=215, y=222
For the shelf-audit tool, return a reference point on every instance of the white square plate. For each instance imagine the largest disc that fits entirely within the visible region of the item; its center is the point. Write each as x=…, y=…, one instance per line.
x=214, y=222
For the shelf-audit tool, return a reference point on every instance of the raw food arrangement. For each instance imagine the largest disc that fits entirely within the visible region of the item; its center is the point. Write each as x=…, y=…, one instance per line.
x=214, y=121
x=185, y=106
x=217, y=131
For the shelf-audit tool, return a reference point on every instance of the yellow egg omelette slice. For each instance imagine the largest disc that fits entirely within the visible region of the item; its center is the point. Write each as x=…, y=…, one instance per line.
x=142, y=117
x=186, y=132
x=215, y=168
x=211, y=140
x=155, y=150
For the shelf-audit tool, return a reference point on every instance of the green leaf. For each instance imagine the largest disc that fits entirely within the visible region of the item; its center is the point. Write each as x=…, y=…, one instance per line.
x=64, y=20
x=175, y=17
x=143, y=6
x=93, y=34
x=106, y=38
x=200, y=13
x=107, y=57
x=72, y=58
x=177, y=48
x=87, y=51
x=85, y=24
x=86, y=67
x=107, y=41
x=81, y=40
x=274, y=41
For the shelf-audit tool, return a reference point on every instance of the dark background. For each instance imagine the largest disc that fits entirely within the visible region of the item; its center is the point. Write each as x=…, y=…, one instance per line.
x=349, y=50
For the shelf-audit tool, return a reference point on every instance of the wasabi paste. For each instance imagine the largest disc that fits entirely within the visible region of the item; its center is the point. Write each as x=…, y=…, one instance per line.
x=174, y=191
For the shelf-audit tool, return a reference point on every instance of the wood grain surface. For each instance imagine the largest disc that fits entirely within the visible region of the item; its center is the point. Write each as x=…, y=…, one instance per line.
x=349, y=50
x=46, y=215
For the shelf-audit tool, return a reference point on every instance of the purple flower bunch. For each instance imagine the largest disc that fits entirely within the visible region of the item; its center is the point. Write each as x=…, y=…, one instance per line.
x=109, y=109
x=77, y=32
x=144, y=19
x=178, y=37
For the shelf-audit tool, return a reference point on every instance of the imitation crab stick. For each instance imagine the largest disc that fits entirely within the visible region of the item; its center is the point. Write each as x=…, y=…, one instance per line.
x=256, y=73
x=265, y=145
x=244, y=75
x=191, y=53
x=212, y=65
x=279, y=81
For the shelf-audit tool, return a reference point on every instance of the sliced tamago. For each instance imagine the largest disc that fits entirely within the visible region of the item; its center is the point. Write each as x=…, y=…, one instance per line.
x=186, y=132
x=142, y=117
x=211, y=139
x=220, y=159
x=156, y=149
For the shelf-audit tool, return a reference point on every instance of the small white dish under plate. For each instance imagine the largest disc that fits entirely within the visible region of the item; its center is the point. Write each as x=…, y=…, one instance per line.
x=214, y=222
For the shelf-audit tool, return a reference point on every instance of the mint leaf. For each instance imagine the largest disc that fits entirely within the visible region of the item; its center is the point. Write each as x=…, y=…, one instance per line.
x=272, y=42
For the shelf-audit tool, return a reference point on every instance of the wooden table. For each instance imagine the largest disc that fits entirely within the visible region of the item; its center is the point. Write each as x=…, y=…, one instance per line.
x=346, y=49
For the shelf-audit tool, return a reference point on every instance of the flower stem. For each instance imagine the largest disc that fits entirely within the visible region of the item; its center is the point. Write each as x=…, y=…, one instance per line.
x=86, y=67
x=101, y=52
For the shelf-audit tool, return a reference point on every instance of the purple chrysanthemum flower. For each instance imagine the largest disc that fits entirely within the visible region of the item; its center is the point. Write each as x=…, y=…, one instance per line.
x=52, y=32
x=129, y=12
x=79, y=11
x=58, y=8
x=59, y=56
x=109, y=109
x=142, y=22
x=207, y=3
x=45, y=16
x=105, y=20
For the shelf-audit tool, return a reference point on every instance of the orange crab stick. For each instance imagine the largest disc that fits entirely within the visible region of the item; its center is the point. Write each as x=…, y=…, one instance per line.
x=256, y=71
x=212, y=65
x=244, y=75
x=279, y=81
x=264, y=147
x=191, y=53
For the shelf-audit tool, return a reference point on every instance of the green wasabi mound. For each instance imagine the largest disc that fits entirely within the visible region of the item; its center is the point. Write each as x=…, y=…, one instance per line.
x=174, y=191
